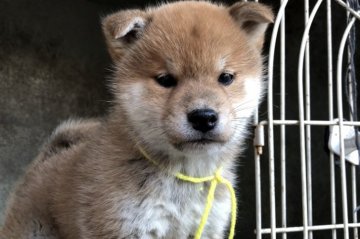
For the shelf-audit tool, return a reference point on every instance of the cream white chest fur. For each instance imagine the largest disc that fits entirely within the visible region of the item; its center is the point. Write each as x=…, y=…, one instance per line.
x=174, y=211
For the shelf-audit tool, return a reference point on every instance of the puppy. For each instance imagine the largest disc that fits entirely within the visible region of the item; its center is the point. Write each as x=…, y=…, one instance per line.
x=187, y=79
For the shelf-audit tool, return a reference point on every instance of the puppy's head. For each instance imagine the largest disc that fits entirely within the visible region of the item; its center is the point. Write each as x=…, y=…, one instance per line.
x=188, y=74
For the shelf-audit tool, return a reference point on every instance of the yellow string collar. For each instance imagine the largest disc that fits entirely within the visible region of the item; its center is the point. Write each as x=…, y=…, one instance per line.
x=214, y=181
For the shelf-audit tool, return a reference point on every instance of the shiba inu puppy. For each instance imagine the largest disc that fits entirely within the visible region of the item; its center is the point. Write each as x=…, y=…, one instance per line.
x=187, y=79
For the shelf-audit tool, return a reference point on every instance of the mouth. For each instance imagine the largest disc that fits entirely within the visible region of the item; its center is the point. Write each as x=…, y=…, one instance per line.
x=197, y=143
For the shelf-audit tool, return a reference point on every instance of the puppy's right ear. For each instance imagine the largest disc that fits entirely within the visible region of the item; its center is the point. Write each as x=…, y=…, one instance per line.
x=253, y=18
x=122, y=29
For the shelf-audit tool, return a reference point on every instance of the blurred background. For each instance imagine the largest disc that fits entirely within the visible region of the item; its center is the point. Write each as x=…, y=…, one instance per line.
x=54, y=66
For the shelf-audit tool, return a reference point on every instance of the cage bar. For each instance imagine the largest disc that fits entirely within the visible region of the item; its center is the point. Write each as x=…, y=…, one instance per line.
x=304, y=123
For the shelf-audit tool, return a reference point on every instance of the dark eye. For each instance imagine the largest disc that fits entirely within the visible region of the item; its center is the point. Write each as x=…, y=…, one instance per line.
x=166, y=80
x=226, y=78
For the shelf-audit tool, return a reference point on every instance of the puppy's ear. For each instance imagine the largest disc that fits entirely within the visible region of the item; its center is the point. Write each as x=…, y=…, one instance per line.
x=122, y=29
x=253, y=18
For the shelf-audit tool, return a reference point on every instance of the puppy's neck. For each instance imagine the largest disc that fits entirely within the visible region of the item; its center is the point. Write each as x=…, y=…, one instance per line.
x=197, y=164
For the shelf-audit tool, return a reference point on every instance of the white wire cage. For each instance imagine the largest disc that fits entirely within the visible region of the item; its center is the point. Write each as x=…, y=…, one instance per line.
x=342, y=179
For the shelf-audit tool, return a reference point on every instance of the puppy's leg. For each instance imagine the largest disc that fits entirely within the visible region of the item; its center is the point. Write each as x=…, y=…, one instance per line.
x=28, y=214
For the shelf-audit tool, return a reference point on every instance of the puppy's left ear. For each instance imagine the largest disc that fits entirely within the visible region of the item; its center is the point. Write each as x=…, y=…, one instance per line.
x=253, y=18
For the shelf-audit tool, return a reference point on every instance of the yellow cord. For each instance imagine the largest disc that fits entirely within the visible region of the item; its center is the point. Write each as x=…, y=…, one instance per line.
x=214, y=181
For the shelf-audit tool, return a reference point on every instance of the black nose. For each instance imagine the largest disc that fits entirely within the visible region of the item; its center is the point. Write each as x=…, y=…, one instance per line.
x=203, y=120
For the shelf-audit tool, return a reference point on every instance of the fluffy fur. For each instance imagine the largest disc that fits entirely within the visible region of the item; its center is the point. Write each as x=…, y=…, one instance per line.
x=91, y=181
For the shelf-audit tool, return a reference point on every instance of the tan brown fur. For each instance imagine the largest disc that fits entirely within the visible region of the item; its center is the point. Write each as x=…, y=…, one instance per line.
x=91, y=181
